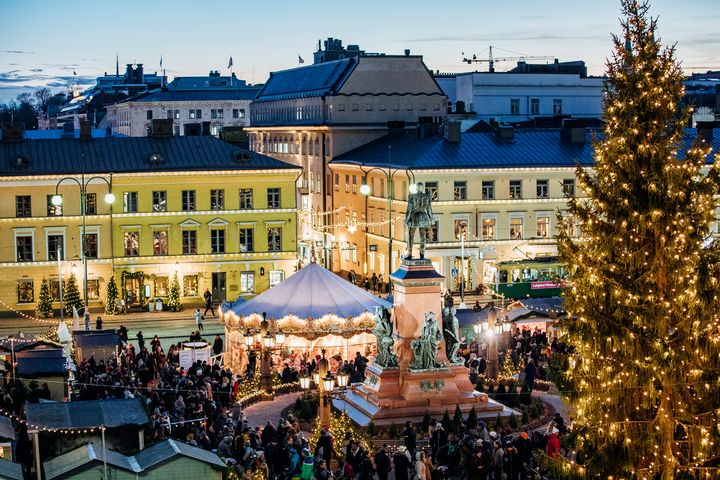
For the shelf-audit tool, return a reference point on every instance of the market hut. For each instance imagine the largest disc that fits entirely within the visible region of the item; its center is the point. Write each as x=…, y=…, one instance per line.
x=314, y=308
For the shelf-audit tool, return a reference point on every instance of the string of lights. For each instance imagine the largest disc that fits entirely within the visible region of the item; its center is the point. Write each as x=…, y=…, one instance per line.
x=30, y=317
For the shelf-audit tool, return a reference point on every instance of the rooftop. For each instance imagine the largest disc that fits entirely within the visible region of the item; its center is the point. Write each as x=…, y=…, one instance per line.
x=163, y=451
x=41, y=362
x=96, y=338
x=312, y=80
x=87, y=414
x=195, y=95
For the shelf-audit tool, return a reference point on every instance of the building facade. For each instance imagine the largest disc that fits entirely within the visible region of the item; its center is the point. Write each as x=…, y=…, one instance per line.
x=220, y=217
x=309, y=115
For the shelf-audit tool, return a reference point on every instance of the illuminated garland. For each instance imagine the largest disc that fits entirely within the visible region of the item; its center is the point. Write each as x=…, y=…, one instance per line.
x=30, y=317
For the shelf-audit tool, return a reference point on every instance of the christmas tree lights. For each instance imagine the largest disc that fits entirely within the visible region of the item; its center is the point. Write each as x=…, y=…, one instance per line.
x=111, y=297
x=71, y=296
x=43, y=308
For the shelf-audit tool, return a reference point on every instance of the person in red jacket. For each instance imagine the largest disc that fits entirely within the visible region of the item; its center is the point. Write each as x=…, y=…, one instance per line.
x=553, y=444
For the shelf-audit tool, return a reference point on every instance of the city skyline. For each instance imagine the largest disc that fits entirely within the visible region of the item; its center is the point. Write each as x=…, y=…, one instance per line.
x=269, y=37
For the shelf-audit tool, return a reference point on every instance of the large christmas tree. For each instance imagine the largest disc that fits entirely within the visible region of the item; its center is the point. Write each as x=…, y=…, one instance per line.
x=174, y=297
x=644, y=291
x=43, y=309
x=71, y=296
x=111, y=296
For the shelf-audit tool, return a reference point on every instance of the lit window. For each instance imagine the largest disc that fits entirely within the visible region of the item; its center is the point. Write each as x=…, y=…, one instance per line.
x=131, y=243
x=54, y=210
x=190, y=285
x=24, y=248
x=276, y=276
x=274, y=239
x=161, y=286
x=488, y=228
x=247, y=282
x=516, y=228
x=160, y=242
x=25, y=291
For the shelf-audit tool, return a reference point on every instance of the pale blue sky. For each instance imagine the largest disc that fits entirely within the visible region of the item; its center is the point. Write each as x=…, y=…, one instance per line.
x=42, y=42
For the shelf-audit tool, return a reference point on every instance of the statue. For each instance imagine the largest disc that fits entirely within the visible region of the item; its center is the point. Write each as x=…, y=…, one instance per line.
x=419, y=216
x=450, y=332
x=383, y=336
x=427, y=345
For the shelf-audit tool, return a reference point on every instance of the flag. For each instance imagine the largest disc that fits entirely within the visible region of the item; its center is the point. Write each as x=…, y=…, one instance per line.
x=300, y=59
x=230, y=64
x=160, y=61
x=74, y=73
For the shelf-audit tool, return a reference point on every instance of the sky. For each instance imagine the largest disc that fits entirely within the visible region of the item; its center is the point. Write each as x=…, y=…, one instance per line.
x=43, y=42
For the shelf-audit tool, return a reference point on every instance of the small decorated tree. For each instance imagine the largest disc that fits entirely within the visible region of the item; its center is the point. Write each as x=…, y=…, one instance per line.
x=174, y=296
x=111, y=297
x=44, y=304
x=71, y=296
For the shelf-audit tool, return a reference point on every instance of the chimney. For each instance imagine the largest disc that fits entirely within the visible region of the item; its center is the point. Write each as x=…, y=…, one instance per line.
x=407, y=52
x=572, y=132
x=717, y=98
x=705, y=131
x=85, y=130
x=452, y=131
x=12, y=132
x=162, y=128
x=139, y=72
x=128, y=72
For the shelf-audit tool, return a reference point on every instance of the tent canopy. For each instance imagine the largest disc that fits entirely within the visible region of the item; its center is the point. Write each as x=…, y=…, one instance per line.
x=312, y=292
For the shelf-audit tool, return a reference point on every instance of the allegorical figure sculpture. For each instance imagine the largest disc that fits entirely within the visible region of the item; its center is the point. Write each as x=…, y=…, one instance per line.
x=418, y=217
x=383, y=336
x=450, y=332
x=426, y=347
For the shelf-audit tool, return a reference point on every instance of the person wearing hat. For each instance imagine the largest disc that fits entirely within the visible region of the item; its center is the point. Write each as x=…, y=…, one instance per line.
x=401, y=463
x=308, y=465
x=553, y=444
x=522, y=455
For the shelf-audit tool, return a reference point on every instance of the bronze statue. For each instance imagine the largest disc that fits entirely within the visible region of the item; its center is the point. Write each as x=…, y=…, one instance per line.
x=418, y=216
x=383, y=336
x=450, y=331
x=426, y=347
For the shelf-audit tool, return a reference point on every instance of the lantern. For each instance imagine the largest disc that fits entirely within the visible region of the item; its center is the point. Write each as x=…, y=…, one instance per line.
x=342, y=379
x=304, y=381
x=328, y=382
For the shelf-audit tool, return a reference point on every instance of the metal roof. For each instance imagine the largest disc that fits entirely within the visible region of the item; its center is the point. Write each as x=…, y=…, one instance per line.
x=7, y=430
x=67, y=462
x=96, y=338
x=531, y=148
x=310, y=81
x=196, y=95
x=89, y=413
x=130, y=154
x=41, y=362
x=166, y=450
x=10, y=470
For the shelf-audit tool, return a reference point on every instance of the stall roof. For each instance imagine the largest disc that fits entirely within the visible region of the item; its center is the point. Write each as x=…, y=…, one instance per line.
x=88, y=414
x=10, y=470
x=163, y=451
x=96, y=338
x=83, y=455
x=7, y=431
x=312, y=292
x=41, y=362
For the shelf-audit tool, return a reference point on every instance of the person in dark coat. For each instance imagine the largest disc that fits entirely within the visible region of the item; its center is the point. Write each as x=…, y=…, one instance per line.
x=208, y=302
x=530, y=374
x=382, y=463
x=98, y=323
x=438, y=439
x=324, y=442
x=401, y=463
x=410, y=437
x=141, y=341
x=217, y=345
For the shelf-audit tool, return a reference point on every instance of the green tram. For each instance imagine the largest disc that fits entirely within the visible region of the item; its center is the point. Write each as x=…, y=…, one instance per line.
x=530, y=278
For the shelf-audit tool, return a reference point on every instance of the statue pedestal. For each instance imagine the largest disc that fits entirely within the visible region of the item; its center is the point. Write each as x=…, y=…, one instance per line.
x=394, y=395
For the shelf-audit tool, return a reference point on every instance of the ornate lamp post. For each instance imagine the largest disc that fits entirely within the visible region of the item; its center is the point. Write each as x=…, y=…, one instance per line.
x=268, y=341
x=57, y=201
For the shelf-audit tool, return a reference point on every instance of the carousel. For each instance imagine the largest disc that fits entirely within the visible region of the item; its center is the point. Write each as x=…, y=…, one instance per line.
x=311, y=311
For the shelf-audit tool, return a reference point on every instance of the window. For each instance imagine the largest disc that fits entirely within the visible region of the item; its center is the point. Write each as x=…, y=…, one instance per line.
x=188, y=200
x=148, y=114
x=24, y=248
x=423, y=106
x=488, y=189
x=130, y=202
x=54, y=210
x=132, y=244
x=246, y=240
x=217, y=113
x=355, y=107
x=247, y=282
x=274, y=239
x=190, y=285
x=217, y=199
x=176, y=130
x=276, y=276
x=409, y=107
x=246, y=198
x=273, y=197
x=461, y=228
x=341, y=107
x=396, y=107
x=354, y=184
x=368, y=107
x=173, y=114
x=431, y=188
x=238, y=113
x=91, y=203
x=217, y=240
x=195, y=113
x=159, y=200
x=514, y=106
x=460, y=190
x=160, y=242
x=516, y=189
x=189, y=242
x=568, y=187
x=433, y=234
x=23, y=206
x=25, y=291
x=542, y=188
x=543, y=226
x=347, y=183
x=93, y=289
x=161, y=286
x=55, y=243
x=557, y=106
x=91, y=245
x=55, y=290
x=516, y=228
x=489, y=225
x=534, y=106
x=337, y=181
x=353, y=249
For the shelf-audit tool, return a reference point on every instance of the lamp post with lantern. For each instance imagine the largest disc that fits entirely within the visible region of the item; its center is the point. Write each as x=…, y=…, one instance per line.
x=57, y=201
x=324, y=381
x=267, y=341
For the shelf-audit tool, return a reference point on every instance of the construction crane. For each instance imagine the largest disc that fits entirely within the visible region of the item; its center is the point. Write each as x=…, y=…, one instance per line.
x=491, y=60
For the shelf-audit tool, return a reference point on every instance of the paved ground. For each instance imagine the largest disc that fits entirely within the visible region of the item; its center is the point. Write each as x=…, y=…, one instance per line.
x=261, y=412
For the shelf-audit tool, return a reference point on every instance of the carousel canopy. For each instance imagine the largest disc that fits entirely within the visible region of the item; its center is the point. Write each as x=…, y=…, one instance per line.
x=312, y=292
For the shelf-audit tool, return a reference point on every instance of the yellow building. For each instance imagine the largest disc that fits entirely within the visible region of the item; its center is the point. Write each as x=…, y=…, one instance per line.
x=221, y=217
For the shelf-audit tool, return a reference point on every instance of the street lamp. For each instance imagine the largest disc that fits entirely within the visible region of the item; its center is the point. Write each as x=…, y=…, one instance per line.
x=57, y=201
x=328, y=382
x=343, y=379
x=305, y=381
x=389, y=176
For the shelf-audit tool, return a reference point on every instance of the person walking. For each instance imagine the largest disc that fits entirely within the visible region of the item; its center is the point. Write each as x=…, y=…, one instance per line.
x=382, y=463
x=98, y=323
x=208, y=302
x=141, y=341
x=198, y=319
x=218, y=345
x=401, y=463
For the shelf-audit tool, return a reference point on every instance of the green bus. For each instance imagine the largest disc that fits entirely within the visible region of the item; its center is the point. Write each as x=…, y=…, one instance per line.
x=530, y=278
